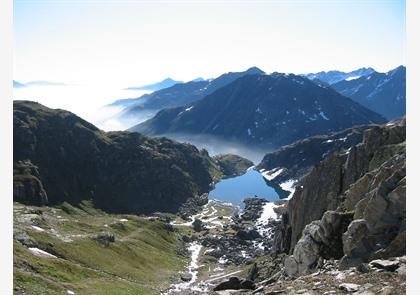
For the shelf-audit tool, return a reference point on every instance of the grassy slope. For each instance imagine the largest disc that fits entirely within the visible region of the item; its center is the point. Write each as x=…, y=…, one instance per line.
x=141, y=260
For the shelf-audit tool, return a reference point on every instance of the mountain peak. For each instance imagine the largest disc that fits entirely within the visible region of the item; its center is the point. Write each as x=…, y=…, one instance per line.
x=254, y=71
x=264, y=110
x=165, y=83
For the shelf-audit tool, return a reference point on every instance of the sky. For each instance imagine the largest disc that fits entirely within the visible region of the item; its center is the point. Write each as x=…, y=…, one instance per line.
x=128, y=43
x=100, y=47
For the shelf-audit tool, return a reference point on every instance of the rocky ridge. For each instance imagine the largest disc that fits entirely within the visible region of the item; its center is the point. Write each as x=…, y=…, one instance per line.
x=351, y=206
x=343, y=231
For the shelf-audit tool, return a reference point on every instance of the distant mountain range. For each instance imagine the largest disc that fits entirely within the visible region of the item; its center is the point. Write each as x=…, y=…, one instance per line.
x=264, y=110
x=177, y=95
x=168, y=82
x=384, y=93
x=332, y=77
x=17, y=84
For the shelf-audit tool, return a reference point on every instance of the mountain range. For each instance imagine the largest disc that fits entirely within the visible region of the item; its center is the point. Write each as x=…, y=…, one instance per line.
x=177, y=95
x=332, y=77
x=168, y=82
x=17, y=84
x=384, y=93
x=263, y=110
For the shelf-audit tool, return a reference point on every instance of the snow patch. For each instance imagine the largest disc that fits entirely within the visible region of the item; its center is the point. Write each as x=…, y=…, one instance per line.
x=323, y=116
x=41, y=253
x=37, y=228
x=267, y=214
x=289, y=186
x=271, y=174
x=222, y=260
x=352, y=78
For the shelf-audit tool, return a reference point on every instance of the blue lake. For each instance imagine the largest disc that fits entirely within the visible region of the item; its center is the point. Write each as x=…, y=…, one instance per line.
x=235, y=190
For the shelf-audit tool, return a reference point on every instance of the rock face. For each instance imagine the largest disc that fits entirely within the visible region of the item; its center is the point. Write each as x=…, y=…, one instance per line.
x=264, y=110
x=119, y=171
x=320, y=238
x=383, y=93
x=351, y=206
x=27, y=188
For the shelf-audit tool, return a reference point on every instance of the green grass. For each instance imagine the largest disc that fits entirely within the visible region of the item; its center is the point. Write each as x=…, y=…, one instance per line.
x=142, y=259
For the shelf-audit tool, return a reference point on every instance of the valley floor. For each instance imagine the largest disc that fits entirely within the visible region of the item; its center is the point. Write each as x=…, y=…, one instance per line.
x=69, y=250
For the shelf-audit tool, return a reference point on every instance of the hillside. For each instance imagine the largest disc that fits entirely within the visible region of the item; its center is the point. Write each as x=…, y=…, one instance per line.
x=263, y=110
x=383, y=93
x=294, y=161
x=58, y=157
x=177, y=95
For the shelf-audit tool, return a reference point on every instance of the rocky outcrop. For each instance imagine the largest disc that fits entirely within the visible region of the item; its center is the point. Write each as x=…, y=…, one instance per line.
x=232, y=165
x=320, y=238
x=379, y=230
x=351, y=206
x=253, y=208
x=192, y=206
x=27, y=188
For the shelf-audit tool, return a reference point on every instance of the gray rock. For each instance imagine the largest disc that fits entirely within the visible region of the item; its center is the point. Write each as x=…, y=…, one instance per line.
x=186, y=277
x=369, y=180
x=198, y=225
x=291, y=266
x=235, y=283
x=390, y=265
x=356, y=231
x=349, y=287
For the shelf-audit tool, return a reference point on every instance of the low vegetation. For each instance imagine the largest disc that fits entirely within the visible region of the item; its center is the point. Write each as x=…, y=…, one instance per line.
x=94, y=251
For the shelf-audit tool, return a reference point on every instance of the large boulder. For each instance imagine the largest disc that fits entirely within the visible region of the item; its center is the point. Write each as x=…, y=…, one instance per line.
x=320, y=239
x=235, y=283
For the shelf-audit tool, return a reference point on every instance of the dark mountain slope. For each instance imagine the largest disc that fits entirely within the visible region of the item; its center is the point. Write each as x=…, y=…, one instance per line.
x=60, y=157
x=267, y=110
x=383, y=93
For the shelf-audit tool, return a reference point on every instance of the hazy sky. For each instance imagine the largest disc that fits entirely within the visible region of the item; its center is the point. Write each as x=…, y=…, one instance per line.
x=135, y=42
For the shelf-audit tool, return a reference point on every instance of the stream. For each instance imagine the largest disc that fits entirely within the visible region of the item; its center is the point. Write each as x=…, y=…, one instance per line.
x=217, y=216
